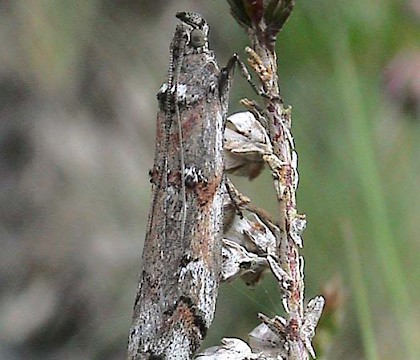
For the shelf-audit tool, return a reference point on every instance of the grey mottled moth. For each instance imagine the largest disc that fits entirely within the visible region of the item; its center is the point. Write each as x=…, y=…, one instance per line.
x=181, y=262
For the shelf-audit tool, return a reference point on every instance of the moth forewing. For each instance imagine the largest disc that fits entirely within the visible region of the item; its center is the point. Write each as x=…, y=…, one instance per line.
x=181, y=262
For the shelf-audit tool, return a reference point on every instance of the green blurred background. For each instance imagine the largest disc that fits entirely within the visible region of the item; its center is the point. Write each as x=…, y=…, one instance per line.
x=78, y=82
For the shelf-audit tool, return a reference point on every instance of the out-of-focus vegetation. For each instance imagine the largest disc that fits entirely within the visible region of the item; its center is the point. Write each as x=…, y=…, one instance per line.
x=77, y=115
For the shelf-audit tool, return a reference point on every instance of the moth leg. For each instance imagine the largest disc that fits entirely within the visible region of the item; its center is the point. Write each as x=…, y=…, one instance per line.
x=235, y=197
x=227, y=73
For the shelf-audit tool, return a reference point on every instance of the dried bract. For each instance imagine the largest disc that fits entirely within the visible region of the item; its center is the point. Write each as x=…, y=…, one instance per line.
x=311, y=317
x=246, y=141
x=263, y=339
x=231, y=349
x=237, y=261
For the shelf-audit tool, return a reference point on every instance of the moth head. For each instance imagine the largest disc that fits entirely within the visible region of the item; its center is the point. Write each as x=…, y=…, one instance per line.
x=199, y=29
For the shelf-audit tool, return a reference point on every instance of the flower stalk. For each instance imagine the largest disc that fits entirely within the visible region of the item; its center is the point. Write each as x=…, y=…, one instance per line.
x=263, y=136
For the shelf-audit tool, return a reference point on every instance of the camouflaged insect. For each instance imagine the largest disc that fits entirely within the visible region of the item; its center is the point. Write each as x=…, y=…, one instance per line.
x=181, y=262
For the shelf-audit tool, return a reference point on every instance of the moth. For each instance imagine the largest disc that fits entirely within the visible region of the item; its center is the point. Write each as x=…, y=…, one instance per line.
x=181, y=261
